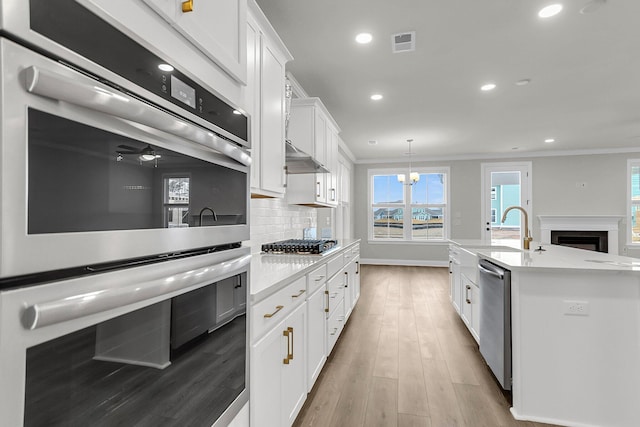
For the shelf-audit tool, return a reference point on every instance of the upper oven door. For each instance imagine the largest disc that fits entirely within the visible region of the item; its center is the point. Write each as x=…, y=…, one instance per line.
x=91, y=174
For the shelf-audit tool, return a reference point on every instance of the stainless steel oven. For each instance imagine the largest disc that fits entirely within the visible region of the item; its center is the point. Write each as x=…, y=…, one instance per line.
x=163, y=344
x=124, y=201
x=92, y=174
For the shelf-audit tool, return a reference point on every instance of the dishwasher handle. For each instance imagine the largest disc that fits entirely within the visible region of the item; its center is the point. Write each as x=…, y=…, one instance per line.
x=484, y=268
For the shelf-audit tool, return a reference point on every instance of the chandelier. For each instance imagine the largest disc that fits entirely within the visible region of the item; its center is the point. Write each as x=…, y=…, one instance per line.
x=413, y=176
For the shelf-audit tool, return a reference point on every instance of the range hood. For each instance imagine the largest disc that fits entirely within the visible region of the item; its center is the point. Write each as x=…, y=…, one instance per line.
x=299, y=162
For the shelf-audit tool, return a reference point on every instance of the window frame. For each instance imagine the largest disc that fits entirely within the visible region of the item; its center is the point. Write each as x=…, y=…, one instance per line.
x=631, y=163
x=408, y=206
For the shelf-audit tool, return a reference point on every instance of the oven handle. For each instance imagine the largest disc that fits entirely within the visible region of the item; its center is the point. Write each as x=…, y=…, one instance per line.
x=102, y=98
x=78, y=306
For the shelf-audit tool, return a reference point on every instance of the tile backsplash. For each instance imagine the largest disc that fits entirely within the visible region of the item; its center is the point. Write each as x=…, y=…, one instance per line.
x=274, y=219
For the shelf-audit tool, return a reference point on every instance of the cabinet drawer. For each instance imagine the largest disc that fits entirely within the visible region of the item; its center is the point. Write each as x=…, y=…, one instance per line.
x=269, y=312
x=335, y=288
x=334, y=327
x=317, y=278
x=335, y=265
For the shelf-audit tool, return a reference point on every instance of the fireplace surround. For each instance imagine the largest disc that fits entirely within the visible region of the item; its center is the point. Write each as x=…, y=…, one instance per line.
x=594, y=232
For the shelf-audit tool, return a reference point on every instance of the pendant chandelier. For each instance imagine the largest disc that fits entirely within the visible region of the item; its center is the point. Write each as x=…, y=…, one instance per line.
x=413, y=176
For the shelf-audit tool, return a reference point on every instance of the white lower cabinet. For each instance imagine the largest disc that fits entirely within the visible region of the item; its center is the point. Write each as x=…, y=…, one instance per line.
x=316, y=335
x=278, y=380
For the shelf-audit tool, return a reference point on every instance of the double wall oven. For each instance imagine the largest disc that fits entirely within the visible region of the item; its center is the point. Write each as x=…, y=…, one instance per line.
x=125, y=199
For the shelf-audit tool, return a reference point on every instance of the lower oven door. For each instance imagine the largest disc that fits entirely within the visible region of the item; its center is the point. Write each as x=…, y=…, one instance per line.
x=159, y=345
x=91, y=174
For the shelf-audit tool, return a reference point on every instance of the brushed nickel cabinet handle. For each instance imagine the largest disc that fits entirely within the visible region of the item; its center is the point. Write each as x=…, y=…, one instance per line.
x=270, y=315
x=357, y=267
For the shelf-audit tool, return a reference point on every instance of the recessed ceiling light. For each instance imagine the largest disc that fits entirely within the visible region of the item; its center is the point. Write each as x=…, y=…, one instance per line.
x=165, y=67
x=487, y=87
x=523, y=82
x=376, y=97
x=373, y=142
x=592, y=6
x=364, y=38
x=549, y=140
x=549, y=11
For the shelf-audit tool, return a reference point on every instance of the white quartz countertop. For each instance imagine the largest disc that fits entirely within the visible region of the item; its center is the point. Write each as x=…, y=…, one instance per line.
x=270, y=272
x=554, y=257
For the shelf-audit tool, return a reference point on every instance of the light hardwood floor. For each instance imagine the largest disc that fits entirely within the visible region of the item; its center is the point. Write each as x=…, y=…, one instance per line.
x=406, y=359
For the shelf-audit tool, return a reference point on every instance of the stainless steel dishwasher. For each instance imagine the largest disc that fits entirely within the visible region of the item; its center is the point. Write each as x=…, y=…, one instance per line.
x=495, y=320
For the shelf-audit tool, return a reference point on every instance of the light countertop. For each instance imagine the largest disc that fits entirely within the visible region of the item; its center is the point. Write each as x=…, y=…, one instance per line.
x=270, y=272
x=554, y=257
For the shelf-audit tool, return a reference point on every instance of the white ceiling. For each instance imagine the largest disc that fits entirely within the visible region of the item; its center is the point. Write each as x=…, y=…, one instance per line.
x=584, y=71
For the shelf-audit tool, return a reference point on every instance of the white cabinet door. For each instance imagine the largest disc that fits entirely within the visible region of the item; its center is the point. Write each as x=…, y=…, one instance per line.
x=294, y=384
x=225, y=299
x=272, y=138
x=465, y=308
x=278, y=368
x=265, y=96
x=316, y=335
x=475, y=311
x=267, y=356
x=348, y=296
x=321, y=135
x=217, y=28
x=455, y=280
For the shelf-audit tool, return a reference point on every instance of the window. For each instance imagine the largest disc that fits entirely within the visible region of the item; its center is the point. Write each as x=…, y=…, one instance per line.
x=176, y=201
x=633, y=232
x=413, y=209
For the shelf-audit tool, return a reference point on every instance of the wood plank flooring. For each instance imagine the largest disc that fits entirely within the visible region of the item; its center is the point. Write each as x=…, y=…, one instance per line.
x=406, y=359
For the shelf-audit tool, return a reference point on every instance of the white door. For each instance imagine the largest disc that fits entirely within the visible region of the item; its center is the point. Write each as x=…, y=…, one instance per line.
x=505, y=185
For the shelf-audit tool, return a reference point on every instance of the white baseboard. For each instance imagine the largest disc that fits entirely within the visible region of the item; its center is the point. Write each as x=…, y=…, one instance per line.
x=404, y=262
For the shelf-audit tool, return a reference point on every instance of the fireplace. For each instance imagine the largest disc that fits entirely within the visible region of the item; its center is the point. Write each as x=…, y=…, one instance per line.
x=593, y=232
x=590, y=240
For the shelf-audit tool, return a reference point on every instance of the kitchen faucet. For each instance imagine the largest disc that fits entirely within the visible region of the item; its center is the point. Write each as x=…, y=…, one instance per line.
x=527, y=234
x=215, y=217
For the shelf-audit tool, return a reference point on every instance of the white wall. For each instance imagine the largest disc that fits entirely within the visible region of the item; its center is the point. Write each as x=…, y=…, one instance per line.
x=554, y=192
x=274, y=219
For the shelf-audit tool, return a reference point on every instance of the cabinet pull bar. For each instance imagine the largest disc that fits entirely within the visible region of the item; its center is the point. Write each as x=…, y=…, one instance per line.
x=286, y=334
x=357, y=267
x=291, y=353
x=187, y=6
x=326, y=310
x=346, y=283
x=319, y=278
x=270, y=315
x=302, y=291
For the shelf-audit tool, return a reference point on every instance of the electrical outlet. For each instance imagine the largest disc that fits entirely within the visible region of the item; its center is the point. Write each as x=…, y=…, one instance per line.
x=581, y=184
x=576, y=308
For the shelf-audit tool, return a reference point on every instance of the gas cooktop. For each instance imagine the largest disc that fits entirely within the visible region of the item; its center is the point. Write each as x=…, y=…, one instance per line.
x=299, y=246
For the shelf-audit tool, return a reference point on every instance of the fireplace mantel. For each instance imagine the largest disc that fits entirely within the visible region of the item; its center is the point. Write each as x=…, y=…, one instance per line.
x=607, y=223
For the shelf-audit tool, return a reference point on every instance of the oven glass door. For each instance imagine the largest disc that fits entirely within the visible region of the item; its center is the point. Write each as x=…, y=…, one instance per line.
x=179, y=362
x=83, y=178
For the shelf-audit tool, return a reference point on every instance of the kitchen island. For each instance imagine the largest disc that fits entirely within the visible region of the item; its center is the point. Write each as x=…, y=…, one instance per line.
x=575, y=333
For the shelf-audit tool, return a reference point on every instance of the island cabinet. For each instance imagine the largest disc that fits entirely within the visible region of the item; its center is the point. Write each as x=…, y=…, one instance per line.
x=313, y=130
x=463, y=287
x=278, y=359
x=455, y=279
x=265, y=103
x=216, y=28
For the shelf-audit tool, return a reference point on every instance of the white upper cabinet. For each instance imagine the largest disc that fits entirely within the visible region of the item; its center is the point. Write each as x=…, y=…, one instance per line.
x=313, y=130
x=217, y=28
x=265, y=96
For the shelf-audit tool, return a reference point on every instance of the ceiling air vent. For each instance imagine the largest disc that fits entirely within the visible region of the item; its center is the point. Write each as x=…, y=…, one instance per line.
x=403, y=42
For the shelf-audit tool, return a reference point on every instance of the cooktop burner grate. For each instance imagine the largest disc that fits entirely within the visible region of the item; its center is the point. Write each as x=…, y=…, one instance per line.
x=299, y=246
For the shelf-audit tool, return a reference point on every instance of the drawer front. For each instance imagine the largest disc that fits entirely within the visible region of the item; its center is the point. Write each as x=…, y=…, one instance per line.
x=334, y=327
x=317, y=278
x=335, y=265
x=269, y=312
x=335, y=288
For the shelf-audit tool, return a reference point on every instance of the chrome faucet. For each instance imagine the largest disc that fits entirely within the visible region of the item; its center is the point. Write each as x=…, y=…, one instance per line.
x=215, y=217
x=527, y=233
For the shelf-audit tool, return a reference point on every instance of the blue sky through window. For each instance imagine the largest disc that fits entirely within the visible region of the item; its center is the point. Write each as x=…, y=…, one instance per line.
x=428, y=190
